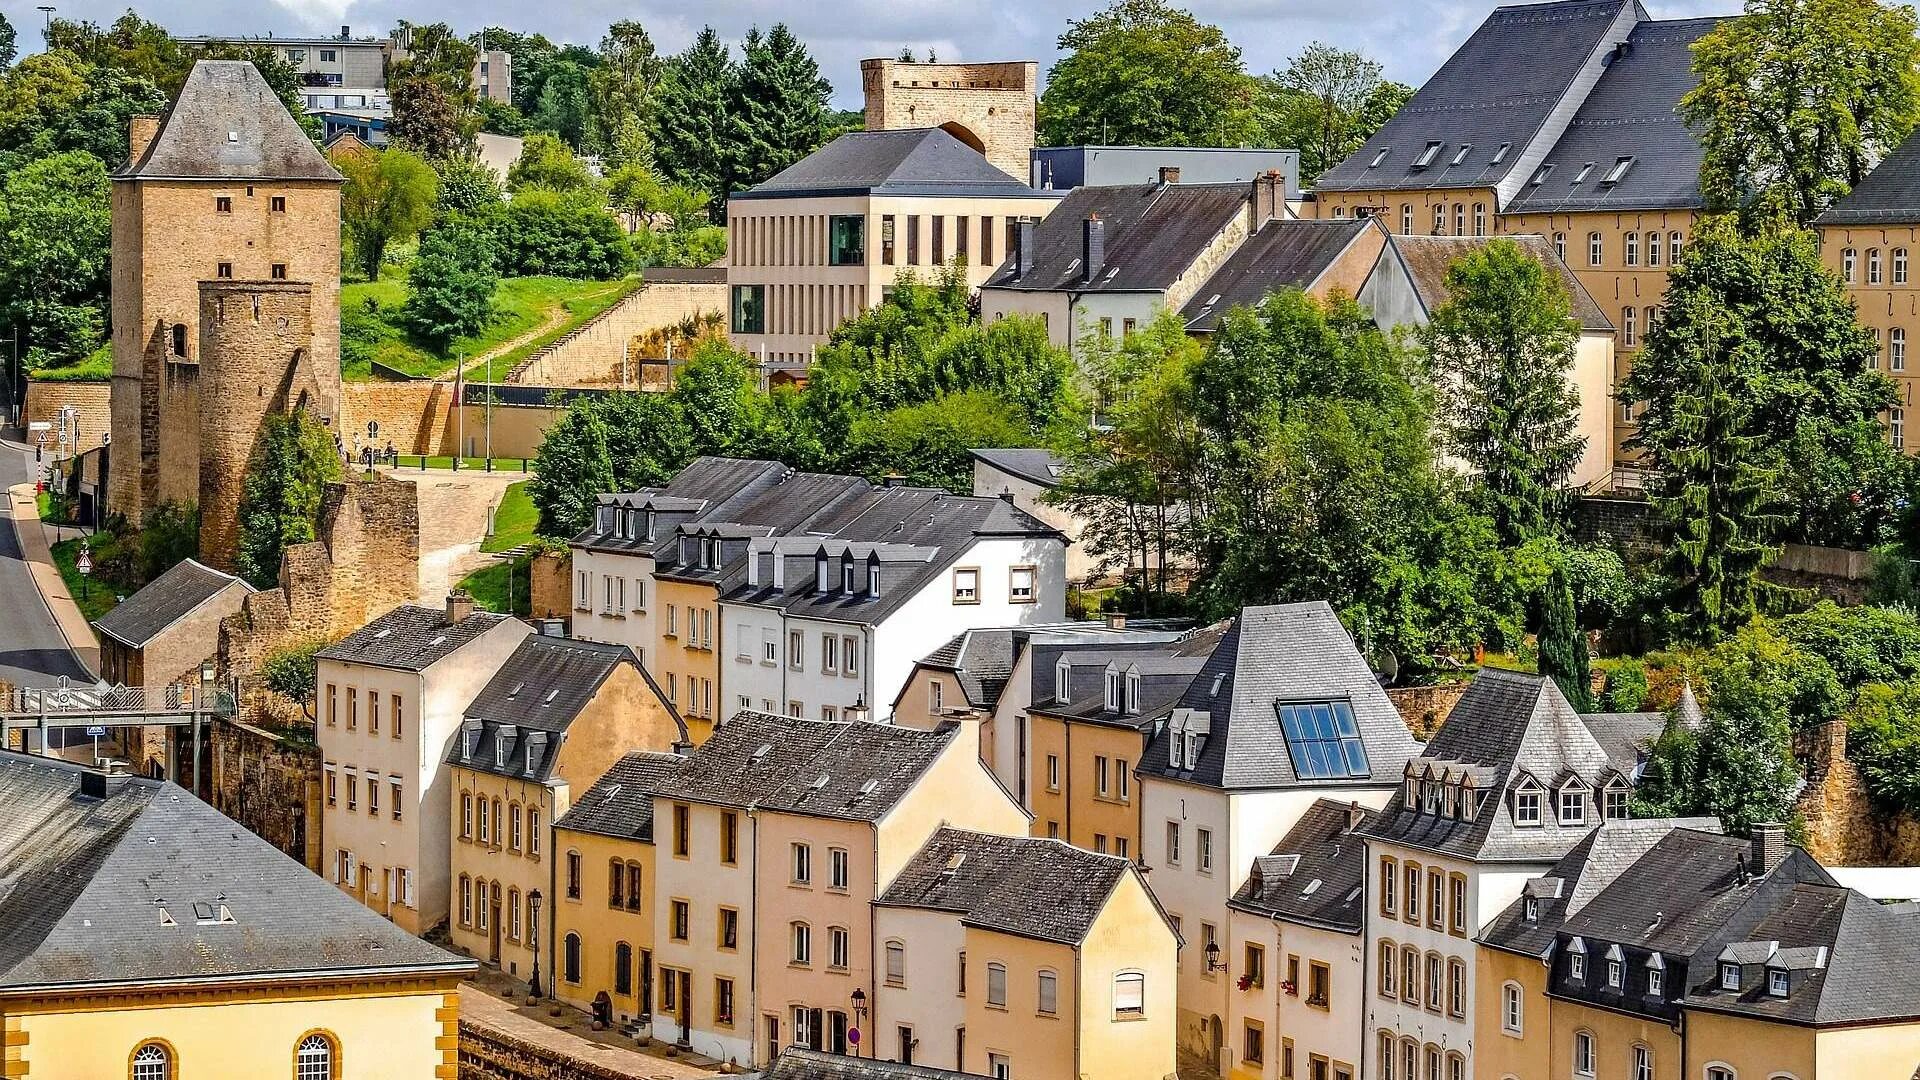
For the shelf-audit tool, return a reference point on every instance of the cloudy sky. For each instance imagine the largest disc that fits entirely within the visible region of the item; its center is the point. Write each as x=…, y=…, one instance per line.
x=1410, y=37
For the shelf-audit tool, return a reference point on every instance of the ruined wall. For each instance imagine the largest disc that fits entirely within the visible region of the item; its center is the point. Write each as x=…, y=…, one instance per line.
x=489, y=1054
x=270, y=783
x=592, y=354
x=552, y=589
x=46, y=399
x=416, y=417
x=1843, y=826
x=1424, y=708
x=990, y=107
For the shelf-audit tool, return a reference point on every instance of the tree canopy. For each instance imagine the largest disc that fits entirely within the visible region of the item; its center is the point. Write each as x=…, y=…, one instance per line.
x=1143, y=72
x=388, y=198
x=1326, y=102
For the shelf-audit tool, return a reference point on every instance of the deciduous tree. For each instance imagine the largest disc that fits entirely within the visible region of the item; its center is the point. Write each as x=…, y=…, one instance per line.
x=1143, y=72
x=280, y=500
x=388, y=197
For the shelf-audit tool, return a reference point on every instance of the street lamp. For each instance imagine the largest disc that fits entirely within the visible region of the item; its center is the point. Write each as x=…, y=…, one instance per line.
x=1213, y=957
x=859, y=1017
x=533, y=984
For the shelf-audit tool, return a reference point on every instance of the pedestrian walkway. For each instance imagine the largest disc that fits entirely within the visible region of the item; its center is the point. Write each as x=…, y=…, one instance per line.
x=34, y=550
x=531, y=1026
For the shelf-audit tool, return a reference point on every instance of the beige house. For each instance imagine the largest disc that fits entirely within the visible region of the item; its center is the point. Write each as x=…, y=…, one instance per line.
x=1869, y=239
x=773, y=839
x=390, y=698
x=824, y=240
x=1019, y=957
x=554, y=718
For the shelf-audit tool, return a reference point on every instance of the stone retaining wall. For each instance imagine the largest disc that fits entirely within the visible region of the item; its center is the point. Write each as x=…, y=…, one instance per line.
x=1425, y=708
x=487, y=1054
x=46, y=399
x=592, y=354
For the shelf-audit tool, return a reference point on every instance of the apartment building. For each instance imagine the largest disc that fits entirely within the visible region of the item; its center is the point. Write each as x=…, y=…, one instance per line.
x=1868, y=239
x=1577, y=139
x=391, y=697
x=1016, y=957
x=823, y=240
x=1512, y=781
x=343, y=61
x=556, y=715
x=1298, y=918
x=1286, y=712
x=780, y=833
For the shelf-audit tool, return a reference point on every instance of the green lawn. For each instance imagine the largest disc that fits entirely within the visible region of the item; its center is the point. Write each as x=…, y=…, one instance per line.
x=379, y=333
x=97, y=367
x=488, y=586
x=513, y=522
x=445, y=461
x=95, y=597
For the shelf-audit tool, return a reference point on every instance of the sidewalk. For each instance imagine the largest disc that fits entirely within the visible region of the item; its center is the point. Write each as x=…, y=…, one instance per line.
x=46, y=577
x=510, y=1018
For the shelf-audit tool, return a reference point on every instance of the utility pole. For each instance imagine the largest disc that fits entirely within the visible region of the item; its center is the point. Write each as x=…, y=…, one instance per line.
x=46, y=30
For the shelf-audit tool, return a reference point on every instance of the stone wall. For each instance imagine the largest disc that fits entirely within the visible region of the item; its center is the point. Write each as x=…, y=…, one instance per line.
x=1843, y=826
x=488, y=1054
x=416, y=417
x=46, y=399
x=990, y=107
x=552, y=589
x=593, y=354
x=1628, y=523
x=1425, y=708
x=271, y=784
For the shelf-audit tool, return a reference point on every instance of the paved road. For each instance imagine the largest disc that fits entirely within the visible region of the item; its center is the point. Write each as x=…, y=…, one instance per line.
x=32, y=652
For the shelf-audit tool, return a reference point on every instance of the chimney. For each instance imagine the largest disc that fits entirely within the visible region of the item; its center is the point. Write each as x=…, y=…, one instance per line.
x=1093, y=246
x=753, y=565
x=1355, y=815
x=1268, y=194
x=459, y=606
x=1006, y=496
x=1116, y=620
x=346, y=32
x=1769, y=847
x=893, y=480
x=140, y=132
x=1022, y=249
x=1169, y=174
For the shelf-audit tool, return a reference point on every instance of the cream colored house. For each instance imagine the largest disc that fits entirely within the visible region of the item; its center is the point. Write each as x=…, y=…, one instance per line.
x=824, y=240
x=772, y=840
x=391, y=697
x=1021, y=957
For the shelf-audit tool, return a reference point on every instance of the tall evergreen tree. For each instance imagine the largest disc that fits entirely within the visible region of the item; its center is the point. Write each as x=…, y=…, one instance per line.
x=9, y=47
x=691, y=128
x=778, y=109
x=1563, y=648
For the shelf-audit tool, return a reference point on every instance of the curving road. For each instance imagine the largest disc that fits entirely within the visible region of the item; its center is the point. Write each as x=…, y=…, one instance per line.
x=32, y=651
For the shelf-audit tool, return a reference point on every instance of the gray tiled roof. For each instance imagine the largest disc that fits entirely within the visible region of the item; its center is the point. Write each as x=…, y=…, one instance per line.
x=1499, y=88
x=850, y=769
x=1042, y=467
x=1152, y=235
x=410, y=638
x=1165, y=673
x=904, y=161
x=1286, y=652
x=981, y=662
x=1283, y=254
x=1581, y=874
x=1631, y=112
x=1322, y=884
x=1428, y=258
x=165, y=600
x=1507, y=727
x=139, y=886
x=712, y=487
x=1022, y=885
x=228, y=124
x=1890, y=193
x=620, y=803
x=800, y=1063
x=1626, y=737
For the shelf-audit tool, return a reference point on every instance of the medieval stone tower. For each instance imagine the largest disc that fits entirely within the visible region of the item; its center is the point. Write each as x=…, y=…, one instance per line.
x=990, y=107
x=226, y=210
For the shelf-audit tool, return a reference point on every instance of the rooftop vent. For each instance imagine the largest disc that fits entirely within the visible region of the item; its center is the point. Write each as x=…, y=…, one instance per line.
x=1540, y=177
x=1461, y=157
x=819, y=782
x=517, y=687
x=954, y=862
x=1500, y=155
x=1618, y=171
x=551, y=694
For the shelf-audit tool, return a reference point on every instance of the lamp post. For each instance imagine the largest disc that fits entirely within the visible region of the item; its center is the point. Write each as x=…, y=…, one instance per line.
x=533, y=984
x=859, y=1017
x=1213, y=957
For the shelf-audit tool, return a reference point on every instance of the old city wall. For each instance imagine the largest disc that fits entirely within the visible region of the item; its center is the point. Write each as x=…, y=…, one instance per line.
x=988, y=106
x=1843, y=827
x=271, y=784
x=592, y=355
x=487, y=1053
x=552, y=584
x=416, y=417
x=90, y=399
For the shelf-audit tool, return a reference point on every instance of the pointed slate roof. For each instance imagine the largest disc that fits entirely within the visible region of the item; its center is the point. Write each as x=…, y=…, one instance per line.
x=1890, y=193
x=902, y=161
x=228, y=124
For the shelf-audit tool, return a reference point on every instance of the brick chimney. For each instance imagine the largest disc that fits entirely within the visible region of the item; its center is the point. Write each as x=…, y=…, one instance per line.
x=459, y=606
x=1169, y=174
x=140, y=132
x=1093, y=246
x=1769, y=840
x=1022, y=249
x=1269, y=195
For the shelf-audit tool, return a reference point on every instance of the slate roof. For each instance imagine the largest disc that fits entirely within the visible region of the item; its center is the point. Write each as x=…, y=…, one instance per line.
x=164, y=601
x=854, y=770
x=1631, y=112
x=800, y=1063
x=410, y=638
x=1152, y=235
x=1507, y=728
x=1625, y=737
x=902, y=161
x=1027, y=886
x=228, y=124
x=142, y=882
x=1890, y=193
x=1317, y=872
x=517, y=723
x=981, y=662
x=1283, y=254
x=1566, y=887
x=708, y=486
x=1499, y=88
x=620, y=804
x=1166, y=671
x=1286, y=652
x=1042, y=467
x=1428, y=258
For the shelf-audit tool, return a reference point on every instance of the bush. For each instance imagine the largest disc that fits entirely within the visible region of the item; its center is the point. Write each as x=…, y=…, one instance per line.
x=280, y=502
x=466, y=187
x=451, y=284
x=169, y=535
x=1626, y=687
x=290, y=670
x=1883, y=739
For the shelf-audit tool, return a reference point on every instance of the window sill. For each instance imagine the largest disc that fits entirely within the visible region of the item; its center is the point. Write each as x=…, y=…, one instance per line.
x=612, y=615
x=1511, y=1033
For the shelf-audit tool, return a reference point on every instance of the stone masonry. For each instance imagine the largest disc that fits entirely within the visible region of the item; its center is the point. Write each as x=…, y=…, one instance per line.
x=990, y=107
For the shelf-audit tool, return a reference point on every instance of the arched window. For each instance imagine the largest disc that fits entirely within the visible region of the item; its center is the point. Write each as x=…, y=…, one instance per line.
x=1388, y=951
x=1560, y=245
x=466, y=900
x=1410, y=1059
x=1596, y=248
x=1873, y=266
x=616, y=883
x=1512, y=1009
x=1628, y=335
x=314, y=1059
x=1406, y=219
x=1721, y=1071
x=1386, y=1054
x=623, y=969
x=1642, y=1063
x=1440, y=219
x=1410, y=975
x=896, y=963
x=1673, y=247
x=1456, y=1066
x=570, y=969
x=513, y=914
x=1129, y=995
x=1899, y=266
x=1479, y=219
x=1049, y=991
x=1655, y=244
x=499, y=823
x=1583, y=1053
x=1433, y=1062
x=153, y=1061
x=466, y=815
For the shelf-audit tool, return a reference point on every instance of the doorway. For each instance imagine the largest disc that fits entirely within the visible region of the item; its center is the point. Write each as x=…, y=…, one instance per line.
x=493, y=925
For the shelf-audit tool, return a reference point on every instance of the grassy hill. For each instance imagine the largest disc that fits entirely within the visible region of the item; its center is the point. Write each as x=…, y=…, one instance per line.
x=531, y=313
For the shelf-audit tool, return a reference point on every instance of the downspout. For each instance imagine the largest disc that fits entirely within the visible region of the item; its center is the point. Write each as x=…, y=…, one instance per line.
x=1066, y=780
x=874, y=959
x=753, y=950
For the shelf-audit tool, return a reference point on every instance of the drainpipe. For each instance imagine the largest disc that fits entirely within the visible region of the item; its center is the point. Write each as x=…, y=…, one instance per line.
x=753, y=950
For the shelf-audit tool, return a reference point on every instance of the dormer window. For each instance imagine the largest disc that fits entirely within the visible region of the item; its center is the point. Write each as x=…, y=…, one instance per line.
x=1573, y=805
x=1776, y=982
x=1429, y=797
x=1730, y=977
x=1577, y=965
x=1540, y=175
x=1526, y=805
x=1656, y=982
x=1062, y=681
x=1469, y=799
x=1133, y=693
x=1615, y=972
x=873, y=576
x=499, y=751
x=821, y=582
x=1585, y=171
x=1532, y=909
x=1380, y=158
x=1112, y=701
x=650, y=524
x=606, y=519
x=1426, y=156
x=846, y=573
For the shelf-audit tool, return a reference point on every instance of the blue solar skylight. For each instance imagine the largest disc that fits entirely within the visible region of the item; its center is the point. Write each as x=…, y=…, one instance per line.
x=1322, y=739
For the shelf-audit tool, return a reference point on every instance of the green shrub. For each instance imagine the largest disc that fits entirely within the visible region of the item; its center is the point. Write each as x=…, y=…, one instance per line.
x=1626, y=687
x=290, y=670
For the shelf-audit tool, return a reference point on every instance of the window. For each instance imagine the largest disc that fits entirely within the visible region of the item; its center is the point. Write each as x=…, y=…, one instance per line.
x=1435, y=978
x=152, y=1062
x=1479, y=219
x=886, y=240
x=314, y=1059
x=393, y=702
x=1897, y=349
x=849, y=657
x=1849, y=261
x=939, y=244
x=1440, y=220
x=723, y=1002
x=802, y=864
x=1673, y=247
x=986, y=240
x=896, y=955
x=1577, y=966
x=962, y=991
x=1616, y=804
x=1655, y=244
x=223, y=270
x=1873, y=266
x=1526, y=807
x=846, y=240
x=373, y=796
x=1510, y=1008
x=749, y=317
x=353, y=801
x=1457, y=903
x=1383, y=975
x=1020, y=585
x=1628, y=327
x=1253, y=1048
x=1899, y=266
x=1656, y=982
x=997, y=985
x=729, y=928
x=999, y=1066
x=1776, y=982
x=1410, y=975
x=913, y=239
x=1456, y=987
x=802, y=943
x=680, y=830
x=1583, y=1053
x=1173, y=843
x=1203, y=844
x=1897, y=428
x=1406, y=219
x=223, y=204
x=1323, y=740
x=1630, y=249
x=1595, y=249
x=1389, y=871
x=180, y=349
x=1053, y=772
x=1642, y=1063
x=966, y=586
x=278, y=271
x=1129, y=995
x=1413, y=892
x=1560, y=245
x=1436, y=897
x=1719, y=1072
x=839, y=948
x=1318, y=977
x=679, y=915
x=829, y=654
x=570, y=959
x=837, y=863
x=573, y=875
x=1573, y=805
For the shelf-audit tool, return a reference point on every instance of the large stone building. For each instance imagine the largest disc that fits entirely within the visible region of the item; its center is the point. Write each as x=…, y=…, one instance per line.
x=1867, y=238
x=990, y=106
x=226, y=295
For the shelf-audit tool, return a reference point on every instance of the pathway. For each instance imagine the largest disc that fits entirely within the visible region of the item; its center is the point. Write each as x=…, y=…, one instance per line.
x=511, y=1018
x=478, y=366
x=454, y=510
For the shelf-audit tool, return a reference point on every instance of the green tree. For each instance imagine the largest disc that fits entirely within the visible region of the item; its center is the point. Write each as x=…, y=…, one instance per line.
x=501, y=118
x=718, y=395
x=777, y=111
x=435, y=108
x=1883, y=739
x=624, y=84
x=451, y=283
x=467, y=186
x=52, y=102
x=1863, y=645
x=690, y=137
x=635, y=192
x=540, y=232
x=1563, y=648
x=1502, y=349
x=615, y=443
x=292, y=463
x=9, y=46
x=1143, y=72
x=55, y=224
x=169, y=535
x=388, y=198
x=548, y=164
x=1319, y=101
x=930, y=443
x=131, y=44
x=565, y=107
x=1799, y=98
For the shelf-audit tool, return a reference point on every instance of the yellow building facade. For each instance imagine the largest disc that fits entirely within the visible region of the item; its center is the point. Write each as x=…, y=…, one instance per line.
x=685, y=656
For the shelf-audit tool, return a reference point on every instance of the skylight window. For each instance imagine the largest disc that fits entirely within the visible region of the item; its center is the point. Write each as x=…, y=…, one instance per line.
x=1500, y=155
x=1426, y=156
x=1461, y=157
x=1541, y=176
x=1323, y=739
x=1379, y=157
x=1619, y=170
x=1584, y=171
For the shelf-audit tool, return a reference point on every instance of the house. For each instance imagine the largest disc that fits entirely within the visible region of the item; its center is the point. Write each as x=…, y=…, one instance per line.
x=1320, y=258
x=1298, y=918
x=1511, y=783
x=1286, y=712
x=780, y=832
x=1029, y=475
x=606, y=923
x=1066, y=167
x=150, y=936
x=1556, y=119
x=555, y=716
x=1867, y=238
x=1012, y=956
x=391, y=698
x=824, y=239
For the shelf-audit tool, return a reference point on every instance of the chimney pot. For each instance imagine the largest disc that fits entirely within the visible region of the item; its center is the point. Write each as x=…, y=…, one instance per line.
x=1093, y=246
x=1169, y=174
x=1006, y=495
x=1769, y=840
x=1022, y=249
x=1268, y=194
x=459, y=606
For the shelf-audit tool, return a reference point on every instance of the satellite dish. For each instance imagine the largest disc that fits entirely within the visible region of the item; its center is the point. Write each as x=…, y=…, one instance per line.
x=1387, y=665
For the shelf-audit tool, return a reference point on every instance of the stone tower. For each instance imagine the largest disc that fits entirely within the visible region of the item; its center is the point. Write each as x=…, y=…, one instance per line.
x=990, y=107
x=224, y=189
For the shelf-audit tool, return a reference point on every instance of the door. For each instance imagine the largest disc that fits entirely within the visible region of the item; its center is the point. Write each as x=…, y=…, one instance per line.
x=646, y=982
x=837, y=1032
x=686, y=1000
x=493, y=925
